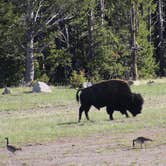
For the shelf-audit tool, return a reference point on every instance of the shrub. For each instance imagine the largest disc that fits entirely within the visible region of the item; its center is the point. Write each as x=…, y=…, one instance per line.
x=43, y=78
x=77, y=78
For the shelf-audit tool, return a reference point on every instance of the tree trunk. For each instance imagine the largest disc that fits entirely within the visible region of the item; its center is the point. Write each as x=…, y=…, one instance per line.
x=29, y=58
x=90, y=34
x=149, y=25
x=102, y=8
x=134, y=69
x=161, y=39
x=29, y=77
x=67, y=36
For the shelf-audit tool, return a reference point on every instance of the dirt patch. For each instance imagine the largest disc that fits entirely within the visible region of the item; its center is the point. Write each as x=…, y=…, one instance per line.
x=104, y=149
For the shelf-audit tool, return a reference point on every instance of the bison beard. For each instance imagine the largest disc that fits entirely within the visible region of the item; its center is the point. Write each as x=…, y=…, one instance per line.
x=112, y=94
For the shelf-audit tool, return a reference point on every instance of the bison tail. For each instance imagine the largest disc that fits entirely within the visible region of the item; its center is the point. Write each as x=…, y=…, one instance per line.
x=77, y=94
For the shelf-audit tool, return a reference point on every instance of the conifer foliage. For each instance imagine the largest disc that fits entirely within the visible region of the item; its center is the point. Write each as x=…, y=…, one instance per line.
x=105, y=39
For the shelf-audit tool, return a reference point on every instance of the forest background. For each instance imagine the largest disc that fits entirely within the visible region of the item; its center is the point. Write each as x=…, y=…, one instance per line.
x=59, y=41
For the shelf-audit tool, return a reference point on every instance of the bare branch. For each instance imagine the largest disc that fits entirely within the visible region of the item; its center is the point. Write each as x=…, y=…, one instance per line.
x=60, y=20
x=63, y=35
x=39, y=50
x=37, y=12
x=51, y=19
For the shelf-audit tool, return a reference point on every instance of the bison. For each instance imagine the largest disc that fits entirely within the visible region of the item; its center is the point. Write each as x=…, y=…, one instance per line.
x=112, y=94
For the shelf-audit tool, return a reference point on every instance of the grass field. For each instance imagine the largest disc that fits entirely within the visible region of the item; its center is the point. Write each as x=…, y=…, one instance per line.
x=27, y=117
x=23, y=99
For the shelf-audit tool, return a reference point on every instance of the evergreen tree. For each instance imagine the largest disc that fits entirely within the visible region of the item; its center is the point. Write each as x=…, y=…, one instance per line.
x=11, y=51
x=146, y=59
x=56, y=38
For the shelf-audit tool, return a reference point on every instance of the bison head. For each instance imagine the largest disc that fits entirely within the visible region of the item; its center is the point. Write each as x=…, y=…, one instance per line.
x=137, y=102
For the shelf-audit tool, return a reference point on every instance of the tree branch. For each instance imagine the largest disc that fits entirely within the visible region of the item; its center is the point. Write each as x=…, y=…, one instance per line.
x=37, y=12
x=51, y=19
x=59, y=20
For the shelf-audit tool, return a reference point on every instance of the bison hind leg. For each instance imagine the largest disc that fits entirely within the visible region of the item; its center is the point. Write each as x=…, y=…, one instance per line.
x=86, y=112
x=80, y=113
x=83, y=108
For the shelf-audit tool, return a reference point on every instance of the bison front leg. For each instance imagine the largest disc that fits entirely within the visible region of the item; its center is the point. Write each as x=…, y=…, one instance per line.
x=124, y=112
x=110, y=112
x=127, y=115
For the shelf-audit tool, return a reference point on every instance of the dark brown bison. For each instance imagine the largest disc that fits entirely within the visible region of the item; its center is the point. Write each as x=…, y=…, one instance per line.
x=114, y=94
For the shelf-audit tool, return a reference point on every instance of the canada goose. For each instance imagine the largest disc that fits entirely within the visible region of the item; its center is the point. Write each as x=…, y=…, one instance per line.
x=11, y=148
x=141, y=140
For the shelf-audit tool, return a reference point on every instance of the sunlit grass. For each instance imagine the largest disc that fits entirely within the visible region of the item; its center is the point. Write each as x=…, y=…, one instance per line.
x=46, y=127
x=23, y=98
x=151, y=90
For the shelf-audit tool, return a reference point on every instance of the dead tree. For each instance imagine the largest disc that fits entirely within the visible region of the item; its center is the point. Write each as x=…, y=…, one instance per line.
x=161, y=38
x=102, y=8
x=149, y=24
x=38, y=15
x=134, y=47
x=90, y=33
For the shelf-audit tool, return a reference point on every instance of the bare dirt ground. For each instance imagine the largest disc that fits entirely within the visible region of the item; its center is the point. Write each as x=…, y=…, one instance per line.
x=97, y=150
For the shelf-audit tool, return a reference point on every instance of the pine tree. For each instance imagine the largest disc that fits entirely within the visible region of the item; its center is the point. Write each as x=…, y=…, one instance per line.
x=11, y=51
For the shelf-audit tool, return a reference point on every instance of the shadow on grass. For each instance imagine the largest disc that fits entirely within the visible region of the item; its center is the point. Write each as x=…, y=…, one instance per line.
x=19, y=93
x=137, y=148
x=67, y=123
x=27, y=92
x=78, y=123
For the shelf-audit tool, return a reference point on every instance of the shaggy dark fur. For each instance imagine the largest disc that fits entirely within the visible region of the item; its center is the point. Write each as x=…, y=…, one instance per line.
x=114, y=94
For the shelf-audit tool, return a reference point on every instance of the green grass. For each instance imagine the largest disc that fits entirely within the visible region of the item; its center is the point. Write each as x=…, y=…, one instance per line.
x=22, y=99
x=151, y=90
x=28, y=123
